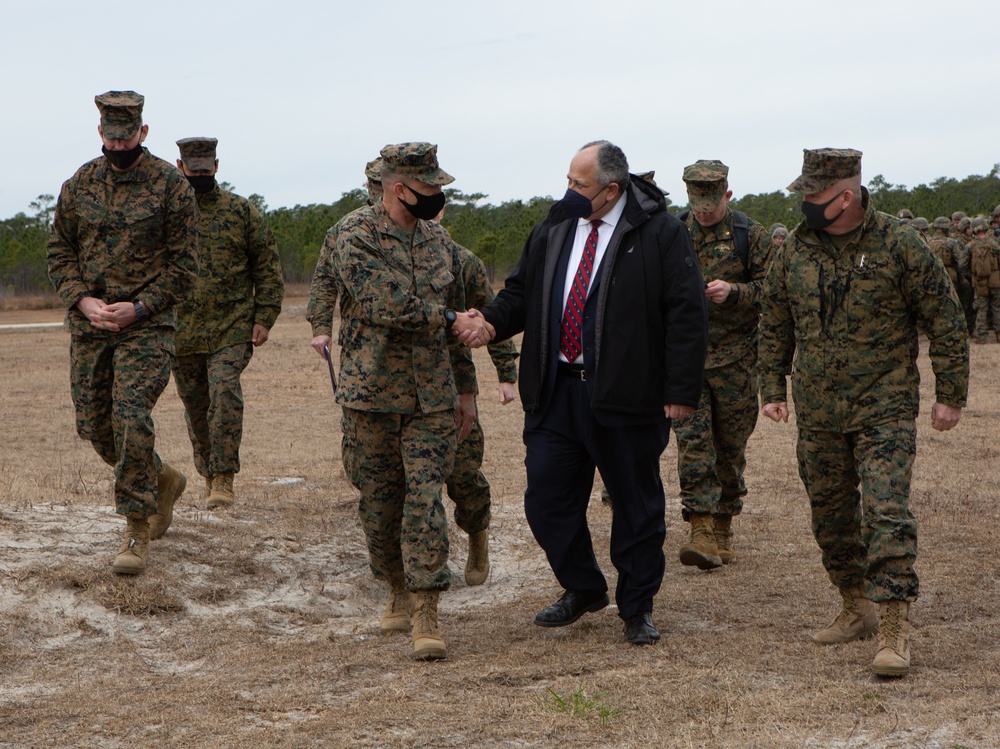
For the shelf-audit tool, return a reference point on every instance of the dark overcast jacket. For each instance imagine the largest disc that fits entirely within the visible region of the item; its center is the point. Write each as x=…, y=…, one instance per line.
x=645, y=327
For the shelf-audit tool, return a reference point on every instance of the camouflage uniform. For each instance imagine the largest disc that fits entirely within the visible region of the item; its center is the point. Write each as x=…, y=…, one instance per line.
x=467, y=486
x=958, y=233
x=952, y=254
x=711, y=443
x=123, y=236
x=985, y=261
x=239, y=285
x=843, y=322
x=400, y=375
x=324, y=289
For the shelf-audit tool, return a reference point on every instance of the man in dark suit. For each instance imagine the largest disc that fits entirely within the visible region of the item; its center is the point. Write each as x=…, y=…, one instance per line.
x=612, y=305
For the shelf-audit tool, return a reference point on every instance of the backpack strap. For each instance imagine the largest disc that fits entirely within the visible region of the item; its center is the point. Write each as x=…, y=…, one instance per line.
x=741, y=237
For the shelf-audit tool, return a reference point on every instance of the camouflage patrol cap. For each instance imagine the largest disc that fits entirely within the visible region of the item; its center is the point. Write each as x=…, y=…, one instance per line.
x=822, y=167
x=957, y=216
x=650, y=177
x=373, y=173
x=415, y=160
x=121, y=113
x=905, y=213
x=707, y=182
x=980, y=224
x=920, y=223
x=198, y=154
x=942, y=222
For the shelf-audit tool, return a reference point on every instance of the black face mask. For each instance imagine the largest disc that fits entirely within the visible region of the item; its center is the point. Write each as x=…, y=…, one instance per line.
x=201, y=183
x=815, y=213
x=123, y=159
x=427, y=206
x=573, y=205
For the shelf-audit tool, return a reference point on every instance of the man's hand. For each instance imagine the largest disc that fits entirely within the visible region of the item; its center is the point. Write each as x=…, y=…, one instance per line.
x=776, y=411
x=319, y=343
x=259, y=335
x=944, y=417
x=508, y=393
x=465, y=414
x=718, y=291
x=674, y=411
x=472, y=329
x=111, y=317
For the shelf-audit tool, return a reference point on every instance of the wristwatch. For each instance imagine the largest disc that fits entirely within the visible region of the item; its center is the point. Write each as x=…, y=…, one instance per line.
x=450, y=316
x=141, y=313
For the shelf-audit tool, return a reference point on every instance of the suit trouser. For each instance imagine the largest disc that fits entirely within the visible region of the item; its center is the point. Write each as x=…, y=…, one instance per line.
x=116, y=381
x=563, y=446
x=868, y=536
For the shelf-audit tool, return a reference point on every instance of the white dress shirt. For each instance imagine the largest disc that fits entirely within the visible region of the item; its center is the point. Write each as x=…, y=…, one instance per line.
x=604, y=232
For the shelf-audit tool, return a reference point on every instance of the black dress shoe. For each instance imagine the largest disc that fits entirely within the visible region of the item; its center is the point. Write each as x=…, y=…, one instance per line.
x=639, y=629
x=569, y=608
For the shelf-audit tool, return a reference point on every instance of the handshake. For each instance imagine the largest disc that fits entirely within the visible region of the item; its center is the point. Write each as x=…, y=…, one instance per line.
x=472, y=329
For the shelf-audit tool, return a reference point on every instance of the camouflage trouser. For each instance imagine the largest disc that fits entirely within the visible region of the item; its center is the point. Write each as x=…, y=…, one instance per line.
x=467, y=486
x=209, y=386
x=967, y=296
x=399, y=463
x=116, y=382
x=987, y=313
x=711, y=443
x=869, y=536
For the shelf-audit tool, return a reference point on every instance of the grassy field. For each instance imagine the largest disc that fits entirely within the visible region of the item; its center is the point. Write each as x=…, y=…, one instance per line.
x=258, y=627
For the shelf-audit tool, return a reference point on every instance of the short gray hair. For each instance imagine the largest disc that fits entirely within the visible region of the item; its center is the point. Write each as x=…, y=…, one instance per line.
x=612, y=166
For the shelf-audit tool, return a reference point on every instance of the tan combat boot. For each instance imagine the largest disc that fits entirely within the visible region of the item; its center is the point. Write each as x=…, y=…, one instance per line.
x=169, y=488
x=398, y=610
x=428, y=644
x=222, y=492
x=132, y=555
x=722, y=529
x=702, y=551
x=477, y=566
x=893, y=656
x=857, y=620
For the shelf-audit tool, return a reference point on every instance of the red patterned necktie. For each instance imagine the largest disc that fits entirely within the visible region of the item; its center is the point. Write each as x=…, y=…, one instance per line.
x=571, y=337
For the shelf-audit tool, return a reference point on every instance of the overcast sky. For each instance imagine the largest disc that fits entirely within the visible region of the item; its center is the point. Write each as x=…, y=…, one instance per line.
x=302, y=93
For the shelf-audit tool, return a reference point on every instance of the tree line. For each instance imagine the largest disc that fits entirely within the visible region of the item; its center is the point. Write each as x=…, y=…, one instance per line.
x=496, y=233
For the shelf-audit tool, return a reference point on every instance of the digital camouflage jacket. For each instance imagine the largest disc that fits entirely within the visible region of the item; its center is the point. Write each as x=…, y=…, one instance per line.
x=239, y=281
x=124, y=236
x=397, y=355
x=732, y=325
x=844, y=325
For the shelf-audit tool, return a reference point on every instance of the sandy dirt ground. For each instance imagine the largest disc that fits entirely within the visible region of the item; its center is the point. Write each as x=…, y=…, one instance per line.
x=258, y=626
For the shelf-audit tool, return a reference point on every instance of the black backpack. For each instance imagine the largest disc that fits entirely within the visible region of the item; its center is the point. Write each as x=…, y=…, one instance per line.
x=741, y=238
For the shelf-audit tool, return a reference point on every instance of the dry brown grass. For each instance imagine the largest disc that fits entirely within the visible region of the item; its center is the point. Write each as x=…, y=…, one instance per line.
x=40, y=301
x=258, y=627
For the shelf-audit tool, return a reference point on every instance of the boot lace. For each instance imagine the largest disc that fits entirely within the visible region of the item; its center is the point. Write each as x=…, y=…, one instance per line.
x=890, y=625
